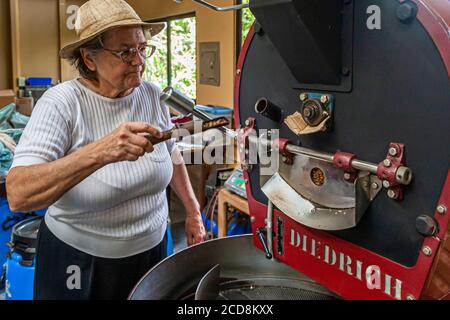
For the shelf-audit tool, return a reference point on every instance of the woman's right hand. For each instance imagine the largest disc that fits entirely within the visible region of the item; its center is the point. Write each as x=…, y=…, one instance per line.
x=126, y=143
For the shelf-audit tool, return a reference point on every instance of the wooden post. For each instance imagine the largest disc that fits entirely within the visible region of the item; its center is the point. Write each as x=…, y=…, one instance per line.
x=235, y=201
x=15, y=43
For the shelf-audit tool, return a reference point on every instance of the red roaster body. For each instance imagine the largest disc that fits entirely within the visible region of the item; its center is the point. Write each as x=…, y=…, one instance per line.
x=347, y=269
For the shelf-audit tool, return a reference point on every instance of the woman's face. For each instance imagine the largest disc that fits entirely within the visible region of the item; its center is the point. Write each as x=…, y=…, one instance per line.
x=110, y=68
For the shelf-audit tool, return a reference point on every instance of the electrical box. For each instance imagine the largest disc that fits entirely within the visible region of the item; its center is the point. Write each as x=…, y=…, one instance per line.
x=210, y=63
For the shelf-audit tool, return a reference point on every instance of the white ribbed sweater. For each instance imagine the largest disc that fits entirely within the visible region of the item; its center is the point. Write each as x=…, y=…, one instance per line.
x=121, y=209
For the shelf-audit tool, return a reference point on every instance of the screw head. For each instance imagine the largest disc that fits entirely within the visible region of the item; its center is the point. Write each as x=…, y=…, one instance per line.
x=386, y=184
x=407, y=12
x=392, y=194
x=427, y=251
x=303, y=96
x=375, y=185
x=258, y=29
x=238, y=71
x=324, y=99
x=393, y=151
x=441, y=209
x=347, y=176
x=387, y=163
x=307, y=112
x=252, y=219
x=345, y=71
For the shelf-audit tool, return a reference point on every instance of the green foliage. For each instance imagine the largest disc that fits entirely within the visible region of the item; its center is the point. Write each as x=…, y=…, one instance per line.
x=183, y=58
x=247, y=21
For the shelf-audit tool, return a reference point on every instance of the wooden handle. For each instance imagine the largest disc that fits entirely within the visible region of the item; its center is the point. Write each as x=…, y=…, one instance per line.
x=206, y=125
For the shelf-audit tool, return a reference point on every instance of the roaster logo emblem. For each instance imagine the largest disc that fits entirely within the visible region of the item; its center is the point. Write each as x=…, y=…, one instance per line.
x=370, y=275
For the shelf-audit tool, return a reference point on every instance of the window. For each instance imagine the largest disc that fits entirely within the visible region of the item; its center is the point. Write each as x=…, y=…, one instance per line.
x=174, y=62
x=245, y=20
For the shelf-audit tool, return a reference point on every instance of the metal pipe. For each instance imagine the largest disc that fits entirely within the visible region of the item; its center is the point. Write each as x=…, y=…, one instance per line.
x=221, y=9
x=403, y=175
x=269, y=110
x=328, y=157
x=269, y=227
x=186, y=105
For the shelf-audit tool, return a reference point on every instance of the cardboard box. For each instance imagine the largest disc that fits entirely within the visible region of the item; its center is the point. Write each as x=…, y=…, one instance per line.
x=6, y=97
x=25, y=105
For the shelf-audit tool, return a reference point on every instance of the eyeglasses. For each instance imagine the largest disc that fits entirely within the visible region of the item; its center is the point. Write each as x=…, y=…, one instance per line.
x=145, y=51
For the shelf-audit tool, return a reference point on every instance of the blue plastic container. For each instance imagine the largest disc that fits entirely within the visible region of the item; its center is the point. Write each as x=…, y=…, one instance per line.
x=20, y=265
x=207, y=223
x=169, y=241
x=39, y=81
x=239, y=225
x=7, y=220
x=214, y=109
x=19, y=279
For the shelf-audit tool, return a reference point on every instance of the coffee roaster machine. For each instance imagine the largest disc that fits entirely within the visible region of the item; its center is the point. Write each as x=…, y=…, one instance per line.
x=351, y=99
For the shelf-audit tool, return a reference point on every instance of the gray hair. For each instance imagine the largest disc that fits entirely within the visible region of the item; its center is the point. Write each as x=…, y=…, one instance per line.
x=77, y=61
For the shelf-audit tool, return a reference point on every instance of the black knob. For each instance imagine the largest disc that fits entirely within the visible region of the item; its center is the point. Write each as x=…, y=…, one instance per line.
x=426, y=226
x=260, y=233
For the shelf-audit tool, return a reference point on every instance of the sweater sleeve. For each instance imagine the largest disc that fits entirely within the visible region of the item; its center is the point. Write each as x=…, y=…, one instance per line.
x=46, y=137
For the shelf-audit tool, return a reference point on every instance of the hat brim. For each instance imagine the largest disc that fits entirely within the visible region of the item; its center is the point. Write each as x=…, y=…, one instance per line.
x=154, y=28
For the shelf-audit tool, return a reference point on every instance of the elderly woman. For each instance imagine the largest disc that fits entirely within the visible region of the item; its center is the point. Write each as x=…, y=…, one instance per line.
x=84, y=156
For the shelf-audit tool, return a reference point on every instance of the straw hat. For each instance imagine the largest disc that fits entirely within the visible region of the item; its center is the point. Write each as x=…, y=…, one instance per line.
x=97, y=16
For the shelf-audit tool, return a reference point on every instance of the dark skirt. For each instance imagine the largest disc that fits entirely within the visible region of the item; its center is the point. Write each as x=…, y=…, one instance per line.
x=65, y=273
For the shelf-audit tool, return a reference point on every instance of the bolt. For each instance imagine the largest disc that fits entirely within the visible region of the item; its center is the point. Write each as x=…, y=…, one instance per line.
x=345, y=71
x=324, y=99
x=258, y=29
x=375, y=186
x=238, y=71
x=387, y=163
x=406, y=12
x=393, y=151
x=307, y=112
x=252, y=219
x=347, y=176
x=386, y=184
x=427, y=251
x=303, y=96
x=441, y=209
x=410, y=297
x=392, y=194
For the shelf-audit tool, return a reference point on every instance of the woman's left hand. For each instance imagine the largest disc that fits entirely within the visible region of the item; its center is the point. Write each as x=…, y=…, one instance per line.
x=195, y=231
